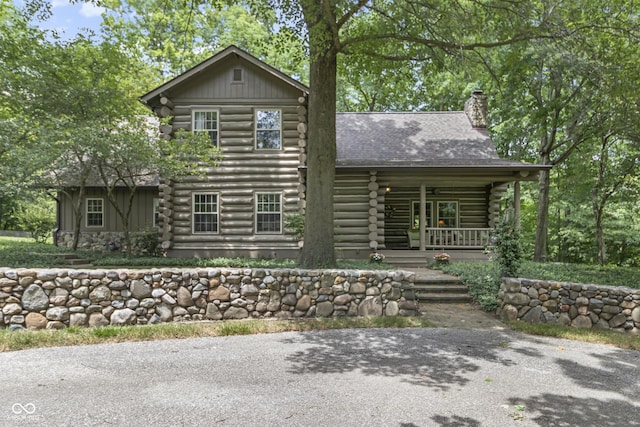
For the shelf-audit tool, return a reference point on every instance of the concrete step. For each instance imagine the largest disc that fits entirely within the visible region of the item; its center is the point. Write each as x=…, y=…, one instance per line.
x=73, y=260
x=409, y=260
x=441, y=290
x=443, y=298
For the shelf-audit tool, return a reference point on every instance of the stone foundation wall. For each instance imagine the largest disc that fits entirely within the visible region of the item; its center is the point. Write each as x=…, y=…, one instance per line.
x=583, y=306
x=56, y=298
x=104, y=241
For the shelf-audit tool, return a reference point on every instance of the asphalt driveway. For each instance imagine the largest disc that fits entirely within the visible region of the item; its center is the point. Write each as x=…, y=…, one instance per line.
x=383, y=377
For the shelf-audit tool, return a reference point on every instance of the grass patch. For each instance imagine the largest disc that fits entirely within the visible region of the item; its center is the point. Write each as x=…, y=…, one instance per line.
x=25, y=252
x=22, y=340
x=17, y=252
x=596, y=336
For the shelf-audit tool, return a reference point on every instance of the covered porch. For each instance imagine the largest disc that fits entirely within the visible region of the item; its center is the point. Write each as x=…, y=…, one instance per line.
x=445, y=213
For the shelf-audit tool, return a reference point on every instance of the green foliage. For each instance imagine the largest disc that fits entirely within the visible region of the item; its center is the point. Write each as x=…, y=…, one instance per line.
x=507, y=247
x=19, y=252
x=146, y=243
x=482, y=280
x=295, y=223
x=38, y=218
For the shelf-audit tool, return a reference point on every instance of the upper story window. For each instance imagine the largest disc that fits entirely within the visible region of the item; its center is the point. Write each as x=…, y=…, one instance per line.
x=95, y=212
x=206, y=121
x=268, y=213
x=268, y=129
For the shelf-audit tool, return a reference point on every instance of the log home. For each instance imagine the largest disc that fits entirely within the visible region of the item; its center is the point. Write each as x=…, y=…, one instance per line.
x=403, y=180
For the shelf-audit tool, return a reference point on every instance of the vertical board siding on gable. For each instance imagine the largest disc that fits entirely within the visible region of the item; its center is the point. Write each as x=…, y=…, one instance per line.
x=351, y=207
x=257, y=84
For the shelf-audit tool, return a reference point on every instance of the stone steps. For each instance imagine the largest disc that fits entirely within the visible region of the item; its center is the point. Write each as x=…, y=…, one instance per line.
x=441, y=290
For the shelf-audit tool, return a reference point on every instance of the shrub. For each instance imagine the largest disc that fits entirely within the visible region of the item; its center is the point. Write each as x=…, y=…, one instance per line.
x=295, y=223
x=507, y=247
x=146, y=243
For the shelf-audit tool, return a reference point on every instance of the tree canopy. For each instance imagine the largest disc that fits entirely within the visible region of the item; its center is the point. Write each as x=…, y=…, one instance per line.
x=562, y=80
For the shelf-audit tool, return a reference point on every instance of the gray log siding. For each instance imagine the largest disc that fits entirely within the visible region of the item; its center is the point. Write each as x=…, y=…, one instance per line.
x=351, y=214
x=141, y=215
x=244, y=170
x=472, y=209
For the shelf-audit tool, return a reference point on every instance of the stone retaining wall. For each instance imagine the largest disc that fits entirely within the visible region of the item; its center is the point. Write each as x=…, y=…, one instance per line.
x=575, y=304
x=57, y=298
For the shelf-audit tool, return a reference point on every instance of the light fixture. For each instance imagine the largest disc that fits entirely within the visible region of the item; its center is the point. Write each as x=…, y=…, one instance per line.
x=388, y=189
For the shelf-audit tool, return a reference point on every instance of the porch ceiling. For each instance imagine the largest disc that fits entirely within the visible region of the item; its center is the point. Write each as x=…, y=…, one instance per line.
x=460, y=177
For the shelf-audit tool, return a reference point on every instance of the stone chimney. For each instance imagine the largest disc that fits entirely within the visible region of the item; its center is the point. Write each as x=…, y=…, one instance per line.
x=476, y=109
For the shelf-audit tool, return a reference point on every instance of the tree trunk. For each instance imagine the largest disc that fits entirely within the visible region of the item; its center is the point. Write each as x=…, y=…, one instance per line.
x=318, y=249
x=542, y=225
x=77, y=224
x=602, y=248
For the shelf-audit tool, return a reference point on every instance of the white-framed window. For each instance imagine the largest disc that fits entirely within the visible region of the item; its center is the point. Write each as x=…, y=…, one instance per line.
x=415, y=214
x=448, y=214
x=268, y=129
x=268, y=213
x=94, y=212
x=156, y=211
x=206, y=121
x=205, y=212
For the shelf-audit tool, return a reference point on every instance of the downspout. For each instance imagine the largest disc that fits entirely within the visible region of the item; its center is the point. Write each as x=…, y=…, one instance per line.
x=516, y=203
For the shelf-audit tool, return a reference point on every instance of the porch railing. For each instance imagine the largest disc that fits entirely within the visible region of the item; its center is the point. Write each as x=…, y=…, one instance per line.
x=461, y=238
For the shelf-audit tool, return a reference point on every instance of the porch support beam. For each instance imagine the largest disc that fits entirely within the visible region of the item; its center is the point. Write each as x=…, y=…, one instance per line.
x=516, y=203
x=423, y=217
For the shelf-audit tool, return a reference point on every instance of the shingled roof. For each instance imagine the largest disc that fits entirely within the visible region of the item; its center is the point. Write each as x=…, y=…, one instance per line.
x=434, y=139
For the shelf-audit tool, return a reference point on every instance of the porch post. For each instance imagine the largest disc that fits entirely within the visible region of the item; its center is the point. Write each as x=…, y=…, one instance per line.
x=516, y=203
x=423, y=216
